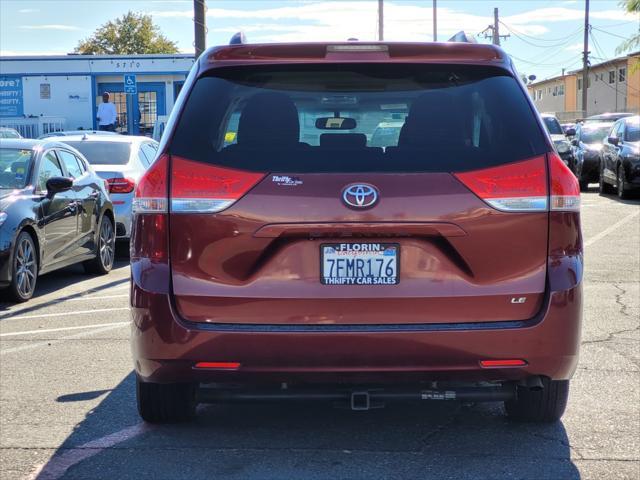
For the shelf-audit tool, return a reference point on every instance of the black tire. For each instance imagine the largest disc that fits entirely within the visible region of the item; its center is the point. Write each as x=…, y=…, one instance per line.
x=621, y=187
x=105, y=249
x=24, y=269
x=603, y=188
x=165, y=403
x=584, y=185
x=540, y=406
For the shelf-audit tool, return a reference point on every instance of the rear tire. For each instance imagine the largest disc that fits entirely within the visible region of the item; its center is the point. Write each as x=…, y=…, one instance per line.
x=584, y=185
x=540, y=406
x=604, y=187
x=165, y=403
x=621, y=187
x=105, y=249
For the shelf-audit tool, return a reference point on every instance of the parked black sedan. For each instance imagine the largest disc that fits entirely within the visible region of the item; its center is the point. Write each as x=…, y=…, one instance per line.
x=54, y=211
x=587, y=145
x=620, y=158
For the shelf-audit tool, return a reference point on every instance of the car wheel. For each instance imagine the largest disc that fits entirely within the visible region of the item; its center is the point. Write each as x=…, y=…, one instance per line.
x=604, y=187
x=165, y=403
x=584, y=185
x=541, y=406
x=105, y=249
x=24, y=269
x=621, y=186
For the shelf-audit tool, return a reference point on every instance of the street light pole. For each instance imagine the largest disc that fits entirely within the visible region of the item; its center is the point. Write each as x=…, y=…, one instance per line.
x=435, y=21
x=199, y=25
x=585, y=60
x=380, y=20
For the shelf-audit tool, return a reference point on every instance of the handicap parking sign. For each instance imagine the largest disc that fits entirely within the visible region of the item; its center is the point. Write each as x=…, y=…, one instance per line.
x=130, y=85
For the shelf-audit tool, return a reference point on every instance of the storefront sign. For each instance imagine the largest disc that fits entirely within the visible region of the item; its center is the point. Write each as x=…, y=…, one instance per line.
x=11, y=97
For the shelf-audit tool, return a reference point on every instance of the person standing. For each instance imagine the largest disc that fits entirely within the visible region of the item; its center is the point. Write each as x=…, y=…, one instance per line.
x=107, y=115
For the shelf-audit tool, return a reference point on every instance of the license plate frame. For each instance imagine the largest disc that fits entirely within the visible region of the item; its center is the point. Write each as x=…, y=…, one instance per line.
x=353, y=281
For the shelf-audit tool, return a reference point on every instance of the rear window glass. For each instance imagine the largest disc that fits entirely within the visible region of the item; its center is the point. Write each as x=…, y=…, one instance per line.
x=397, y=118
x=594, y=135
x=553, y=126
x=15, y=165
x=103, y=153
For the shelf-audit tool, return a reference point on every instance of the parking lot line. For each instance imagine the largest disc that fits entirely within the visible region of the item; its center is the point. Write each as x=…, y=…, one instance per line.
x=62, y=329
x=58, y=340
x=63, y=314
x=611, y=228
x=100, y=297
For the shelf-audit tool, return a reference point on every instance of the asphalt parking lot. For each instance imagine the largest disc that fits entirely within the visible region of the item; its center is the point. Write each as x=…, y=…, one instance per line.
x=67, y=406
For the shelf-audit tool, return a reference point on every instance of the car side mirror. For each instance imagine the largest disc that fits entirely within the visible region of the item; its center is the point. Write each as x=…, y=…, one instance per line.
x=574, y=142
x=570, y=132
x=613, y=140
x=57, y=185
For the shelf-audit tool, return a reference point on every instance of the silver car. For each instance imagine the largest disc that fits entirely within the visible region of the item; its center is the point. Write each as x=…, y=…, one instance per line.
x=120, y=160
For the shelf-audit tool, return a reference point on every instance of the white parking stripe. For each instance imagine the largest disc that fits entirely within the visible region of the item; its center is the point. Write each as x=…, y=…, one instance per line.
x=58, y=340
x=62, y=329
x=63, y=314
x=93, y=297
x=610, y=229
x=58, y=465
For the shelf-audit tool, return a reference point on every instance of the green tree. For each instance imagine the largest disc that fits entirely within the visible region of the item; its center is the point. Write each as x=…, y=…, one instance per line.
x=133, y=33
x=631, y=6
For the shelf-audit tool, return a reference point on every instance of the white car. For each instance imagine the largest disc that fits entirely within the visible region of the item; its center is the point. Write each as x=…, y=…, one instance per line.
x=120, y=160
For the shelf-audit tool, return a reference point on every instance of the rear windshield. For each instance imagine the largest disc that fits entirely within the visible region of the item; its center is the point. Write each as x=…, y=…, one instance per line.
x=14, y=167
x=376, y=118
x=103, y=153
x=553, y=126
x=594, y=135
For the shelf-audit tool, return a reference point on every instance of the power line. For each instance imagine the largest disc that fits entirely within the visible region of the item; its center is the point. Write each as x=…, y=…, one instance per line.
x=609, y=33
x=513, y=30
x=551, y=46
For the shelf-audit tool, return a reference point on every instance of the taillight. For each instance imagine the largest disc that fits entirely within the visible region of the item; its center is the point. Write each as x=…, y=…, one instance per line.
x=149, y=236
x=198, y=187
x=121, y=185
x=519, y=186
x=565, y=189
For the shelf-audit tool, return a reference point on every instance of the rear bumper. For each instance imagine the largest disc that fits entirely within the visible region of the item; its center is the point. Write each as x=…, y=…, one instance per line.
x=165, y=349
x=122, y=213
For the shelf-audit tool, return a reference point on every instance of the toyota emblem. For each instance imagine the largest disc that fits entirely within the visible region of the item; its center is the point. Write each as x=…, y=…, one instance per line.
x=360, y=195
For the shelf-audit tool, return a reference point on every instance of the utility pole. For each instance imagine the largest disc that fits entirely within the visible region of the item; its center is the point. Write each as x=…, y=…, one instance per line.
x=585, y=60
x=381, y=20
x=200, y=26
x=435, y=21
x=495, y=30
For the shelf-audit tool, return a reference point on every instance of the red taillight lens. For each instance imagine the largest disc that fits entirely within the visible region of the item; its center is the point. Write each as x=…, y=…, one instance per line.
x=149, y=235
x=121, y=185
x=565, y=189
x=218, y=365
x=520, y=186
x=152, y=191
x=198, y=187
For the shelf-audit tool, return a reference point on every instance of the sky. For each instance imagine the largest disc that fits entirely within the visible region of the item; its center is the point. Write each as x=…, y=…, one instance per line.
x=545, y=35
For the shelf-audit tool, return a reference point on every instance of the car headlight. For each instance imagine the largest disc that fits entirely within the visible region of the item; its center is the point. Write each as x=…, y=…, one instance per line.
x=3, y=217
x=563, y=147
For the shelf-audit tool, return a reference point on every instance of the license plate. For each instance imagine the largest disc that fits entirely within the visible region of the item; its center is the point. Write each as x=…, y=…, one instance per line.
x=359, y=263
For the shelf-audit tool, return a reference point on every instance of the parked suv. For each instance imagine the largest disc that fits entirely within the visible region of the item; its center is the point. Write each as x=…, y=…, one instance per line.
x=445, y=267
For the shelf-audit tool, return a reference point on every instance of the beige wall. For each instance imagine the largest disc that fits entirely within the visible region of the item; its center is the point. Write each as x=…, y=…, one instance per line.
x=633, y=84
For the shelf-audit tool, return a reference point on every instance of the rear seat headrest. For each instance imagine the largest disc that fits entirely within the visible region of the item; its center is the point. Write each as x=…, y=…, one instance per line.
x=343, y=140
x=269, y=119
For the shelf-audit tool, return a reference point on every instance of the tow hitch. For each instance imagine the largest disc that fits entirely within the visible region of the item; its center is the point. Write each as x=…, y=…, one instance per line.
x=360, y=399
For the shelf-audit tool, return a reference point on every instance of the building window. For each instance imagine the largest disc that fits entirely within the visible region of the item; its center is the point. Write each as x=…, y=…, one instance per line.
x=560, y=90
x=622, y=74
x=612, y=76
x=540, y=94
x=579, y=84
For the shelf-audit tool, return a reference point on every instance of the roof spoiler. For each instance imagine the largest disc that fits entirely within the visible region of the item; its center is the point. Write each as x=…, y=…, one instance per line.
x=462, y=37
x=238, y=39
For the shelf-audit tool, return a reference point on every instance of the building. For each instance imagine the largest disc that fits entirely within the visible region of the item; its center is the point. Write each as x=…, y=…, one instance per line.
x=39, y=94
x=613, y=86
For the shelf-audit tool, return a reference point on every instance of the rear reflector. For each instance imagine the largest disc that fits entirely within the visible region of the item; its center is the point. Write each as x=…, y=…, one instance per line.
x=121, y=185
x=502, y=363
x=515, y=187
x=358, y=48
x=565, y=189
x=218, y=365
x=198, y=187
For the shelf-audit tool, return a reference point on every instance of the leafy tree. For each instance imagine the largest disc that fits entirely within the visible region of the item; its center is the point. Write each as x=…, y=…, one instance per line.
x=133, y=33
x=631, y=6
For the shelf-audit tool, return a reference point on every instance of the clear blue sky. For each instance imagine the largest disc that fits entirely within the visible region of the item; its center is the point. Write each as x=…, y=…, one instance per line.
x=546, y=35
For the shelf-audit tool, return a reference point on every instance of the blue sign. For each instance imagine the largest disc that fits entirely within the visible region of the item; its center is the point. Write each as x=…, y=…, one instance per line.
x=11, y=97
x=130, y=85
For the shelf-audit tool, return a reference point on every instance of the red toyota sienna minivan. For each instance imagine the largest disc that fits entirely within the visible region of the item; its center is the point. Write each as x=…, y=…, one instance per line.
x=277, y=255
